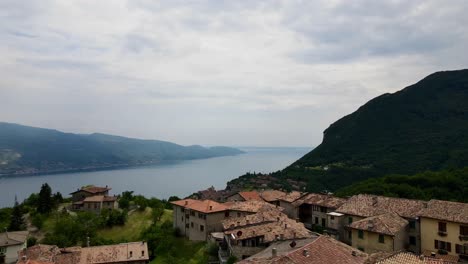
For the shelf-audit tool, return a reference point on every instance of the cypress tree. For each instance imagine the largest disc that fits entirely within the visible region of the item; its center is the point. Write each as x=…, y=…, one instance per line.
x=16, y=221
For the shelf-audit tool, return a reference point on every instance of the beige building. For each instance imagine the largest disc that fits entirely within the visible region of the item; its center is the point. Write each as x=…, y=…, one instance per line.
x=196, y=219
x=125, y=253
x=312, y=210
x=363, y=206
x=287, y=201
x=382, y=233
x=93, y=199
x=444, y=228
x=10, y=244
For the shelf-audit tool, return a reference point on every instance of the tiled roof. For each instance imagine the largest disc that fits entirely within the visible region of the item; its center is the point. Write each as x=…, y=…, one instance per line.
x=324, y=200
x=283, y=228
x=251, y=206
x=291, y=197
x=30, y=261
x=264, y=215
x=272, y=195
x=447, y=258
x=99, y=198
x=409, y=258
x=120, y=253
x=204, y=206
x=253, y=195
x=13, y=238
x=447, y=211
x=323, y=250
x=387, y=224
x=93, y=189
x=366, y=205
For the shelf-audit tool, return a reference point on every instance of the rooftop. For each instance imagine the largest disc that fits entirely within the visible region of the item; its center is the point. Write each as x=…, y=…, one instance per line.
x=204, y=206
x=410, y=258
x=323, y=250
x=264, y=215
x=291, y=197
x=251, y=206
x=324, y=200
x=252, y=195
x=366, y=205
x=92, y=189
x=387, y=224
x=13, y=238
x=272, y=195
x=447, y=211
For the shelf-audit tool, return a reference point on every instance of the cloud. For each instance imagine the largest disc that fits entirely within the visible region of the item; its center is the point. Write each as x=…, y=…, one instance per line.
x=216, y=72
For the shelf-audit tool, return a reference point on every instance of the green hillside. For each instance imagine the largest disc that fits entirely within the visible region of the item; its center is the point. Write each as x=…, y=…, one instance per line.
x=27, y=150
x=423, y=127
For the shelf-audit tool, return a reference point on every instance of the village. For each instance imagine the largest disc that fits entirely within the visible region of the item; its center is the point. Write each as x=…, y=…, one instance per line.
x=272, y=226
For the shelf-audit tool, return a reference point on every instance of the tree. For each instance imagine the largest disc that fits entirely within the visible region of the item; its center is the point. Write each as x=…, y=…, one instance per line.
x=16, y=220
x=45, y=203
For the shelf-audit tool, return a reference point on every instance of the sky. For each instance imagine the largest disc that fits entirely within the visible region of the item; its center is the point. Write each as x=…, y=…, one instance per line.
x=235, y=73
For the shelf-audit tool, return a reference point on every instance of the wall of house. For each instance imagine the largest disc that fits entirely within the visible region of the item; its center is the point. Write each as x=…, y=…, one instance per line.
x=240, y=251
x=416, y=233
x=335, y=226
x=289, y=209
x=211, y=224
x=179, y=219
x=430, y=233
x=345, y=222
x=11, y=254
x=94, y=207
x=370, y=242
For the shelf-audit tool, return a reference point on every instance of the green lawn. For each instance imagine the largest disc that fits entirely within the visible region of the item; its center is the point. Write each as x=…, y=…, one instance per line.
x=136, y=222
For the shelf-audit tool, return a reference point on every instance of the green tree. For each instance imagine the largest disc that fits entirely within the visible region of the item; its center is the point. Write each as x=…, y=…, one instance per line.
x=16, y=220
x=45, y=201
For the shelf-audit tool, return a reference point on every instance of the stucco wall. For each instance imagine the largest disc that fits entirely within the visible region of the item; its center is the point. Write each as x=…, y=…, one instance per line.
x=429, y=233
x=370, y=242
x=11, y=255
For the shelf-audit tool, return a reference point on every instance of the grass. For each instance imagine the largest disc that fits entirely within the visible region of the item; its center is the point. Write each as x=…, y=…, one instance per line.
x=187, y=252
x=136, y=222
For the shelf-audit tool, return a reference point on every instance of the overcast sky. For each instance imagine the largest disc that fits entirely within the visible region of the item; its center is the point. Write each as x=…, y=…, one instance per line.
x=238, y=73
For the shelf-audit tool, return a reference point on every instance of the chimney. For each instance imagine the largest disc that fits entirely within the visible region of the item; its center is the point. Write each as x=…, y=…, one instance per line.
x=211, y=207
x=433, y=254
x=305, y=253
x=374, y=200
x=354, y=253
x=425, y=204
x=274, y=253
x=186, y=202
x=247, y=221
x=285, y=226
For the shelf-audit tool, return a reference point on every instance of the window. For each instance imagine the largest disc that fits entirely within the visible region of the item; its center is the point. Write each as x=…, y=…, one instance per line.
x=191, y=224
x=182, y=218
x=412, y=240
x=350, y=235
x=443, y=245
x=381, y=239
x=350, y=220
x=316, y=220
x=238, y=214
x=412, y=224
x=361, y=248
x=361, y=234
x=202, y=228
x=192, y=213
x=463, y=230
x=442, y=227
x=323, y=222
x=131, y=253
x=182, y=209
x=462, y=250
x=3, y=250
x=142, y=253
x=186, y=225
x=226, y=214
x=323, y=209
x=332, y=217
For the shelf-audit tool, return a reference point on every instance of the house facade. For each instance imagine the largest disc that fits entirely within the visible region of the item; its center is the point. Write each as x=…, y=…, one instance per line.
x=444, y=228
x=10, y=244
x=93, y=199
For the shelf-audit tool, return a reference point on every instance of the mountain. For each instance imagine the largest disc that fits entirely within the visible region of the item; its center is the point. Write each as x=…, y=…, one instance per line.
x=422, y=127
x=30, y=150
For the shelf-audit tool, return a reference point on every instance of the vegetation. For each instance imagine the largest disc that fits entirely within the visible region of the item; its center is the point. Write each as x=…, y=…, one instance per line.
x=24, y=149
x=449, y=185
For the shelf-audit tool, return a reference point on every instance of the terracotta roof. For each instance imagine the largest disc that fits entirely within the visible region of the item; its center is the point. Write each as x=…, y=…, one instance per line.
x=283, y=228
x=92, y=189
x=291, y=197
x=409, y=258
x=366, y=205
x=30, y=261
x=272, y=195
x=253, y=195
x=323, y=250
x=120, y=253
x=324, y=200
x=264, y=215
x=251, y=206
x=447, y=211
x=387, y=224
x=13, y=238
x=447, y=258
x=204, y=206
x=99, y=198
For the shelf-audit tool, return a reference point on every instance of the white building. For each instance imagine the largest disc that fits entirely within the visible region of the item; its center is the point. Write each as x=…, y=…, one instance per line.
x=10, y=244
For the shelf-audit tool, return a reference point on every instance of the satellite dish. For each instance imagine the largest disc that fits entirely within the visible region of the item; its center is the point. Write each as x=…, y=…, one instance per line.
x=239, y=233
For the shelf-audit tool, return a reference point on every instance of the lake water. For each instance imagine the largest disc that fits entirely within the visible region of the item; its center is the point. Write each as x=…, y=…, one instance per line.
x=161, y=181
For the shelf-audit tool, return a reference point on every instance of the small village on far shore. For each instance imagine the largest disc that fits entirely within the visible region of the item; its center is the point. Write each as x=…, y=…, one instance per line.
x=274, y=226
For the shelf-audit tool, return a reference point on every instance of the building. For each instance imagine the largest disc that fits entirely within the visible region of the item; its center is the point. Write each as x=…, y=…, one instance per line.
x=386, y=232
x=248, y=235
x=93, y=199
x=362, y=206
x=444, y=228
x=286, y=202
x=272, y=196
x=312, y=209
x=125, y=253
x=196, y=219
x=10, y=244
x=244, y=196
x=322, y=250
x=410, y=258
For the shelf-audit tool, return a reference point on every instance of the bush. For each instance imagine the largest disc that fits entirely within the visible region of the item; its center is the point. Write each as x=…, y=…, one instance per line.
x=31, y=241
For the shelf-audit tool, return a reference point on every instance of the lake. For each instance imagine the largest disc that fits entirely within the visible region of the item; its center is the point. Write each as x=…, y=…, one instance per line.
x=177, y=178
